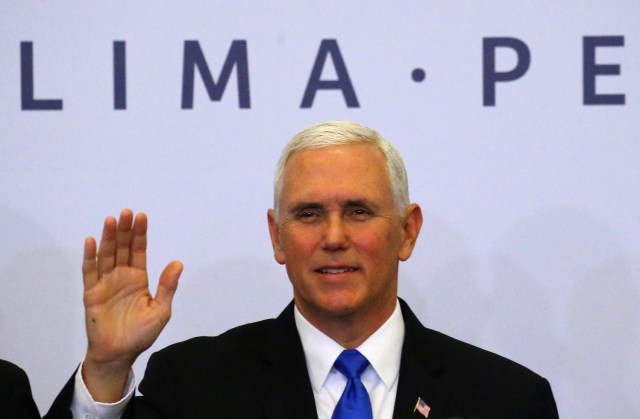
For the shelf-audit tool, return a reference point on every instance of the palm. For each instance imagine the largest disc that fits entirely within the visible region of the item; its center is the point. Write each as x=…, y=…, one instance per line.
x=121, y=314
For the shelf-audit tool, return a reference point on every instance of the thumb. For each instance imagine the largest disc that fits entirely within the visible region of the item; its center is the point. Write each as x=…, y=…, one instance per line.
x=168, y=284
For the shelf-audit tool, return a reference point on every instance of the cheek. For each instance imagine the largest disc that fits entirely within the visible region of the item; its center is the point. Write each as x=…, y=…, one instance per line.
x=298, y=241
x=381, y=256
x=380, y=244
x=374, y=249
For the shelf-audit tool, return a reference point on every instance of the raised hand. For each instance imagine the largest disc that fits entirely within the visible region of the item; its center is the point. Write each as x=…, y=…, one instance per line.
x=122, y=318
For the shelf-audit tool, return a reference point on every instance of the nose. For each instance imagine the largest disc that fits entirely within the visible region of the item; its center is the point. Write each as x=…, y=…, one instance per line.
x=335, y=234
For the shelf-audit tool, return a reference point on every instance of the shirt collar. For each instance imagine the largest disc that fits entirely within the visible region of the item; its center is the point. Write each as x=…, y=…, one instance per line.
x=383, y=349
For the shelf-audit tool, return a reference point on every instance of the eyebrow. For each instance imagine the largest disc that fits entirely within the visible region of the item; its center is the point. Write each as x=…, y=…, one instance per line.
x=360, y=203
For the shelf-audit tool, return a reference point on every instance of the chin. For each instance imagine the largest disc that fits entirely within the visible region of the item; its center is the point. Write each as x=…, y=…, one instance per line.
x=329, y=303
x=337, y=306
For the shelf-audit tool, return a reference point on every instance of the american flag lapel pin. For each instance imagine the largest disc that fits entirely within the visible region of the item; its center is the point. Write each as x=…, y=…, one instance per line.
x=422, y=407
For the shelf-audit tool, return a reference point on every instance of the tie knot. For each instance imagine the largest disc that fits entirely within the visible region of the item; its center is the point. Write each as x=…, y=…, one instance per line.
x=351, y=363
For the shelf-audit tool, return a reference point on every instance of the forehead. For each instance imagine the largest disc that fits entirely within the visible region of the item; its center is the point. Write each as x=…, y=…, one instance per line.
x=358, y=156
x=336, y=169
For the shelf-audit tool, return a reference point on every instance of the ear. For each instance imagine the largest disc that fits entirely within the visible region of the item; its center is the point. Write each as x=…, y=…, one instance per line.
x=411, y=229
x=274, y=233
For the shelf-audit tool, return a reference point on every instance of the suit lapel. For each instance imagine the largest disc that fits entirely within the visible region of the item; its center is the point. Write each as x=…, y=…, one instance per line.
x=421, y=372
x=284, y=389
x=284, y=386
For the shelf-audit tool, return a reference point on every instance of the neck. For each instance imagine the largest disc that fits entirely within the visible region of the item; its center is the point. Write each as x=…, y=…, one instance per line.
x=352, y=329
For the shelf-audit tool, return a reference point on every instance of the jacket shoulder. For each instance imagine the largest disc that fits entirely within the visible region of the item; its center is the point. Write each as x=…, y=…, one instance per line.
x=239, y=345
x=459, y=355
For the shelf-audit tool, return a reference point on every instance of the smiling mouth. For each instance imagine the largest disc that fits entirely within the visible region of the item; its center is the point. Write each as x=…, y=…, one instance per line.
x=335, y=270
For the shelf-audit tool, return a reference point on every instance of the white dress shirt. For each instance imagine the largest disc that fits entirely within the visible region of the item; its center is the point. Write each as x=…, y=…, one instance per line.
x=84, y=407
x=382, y=349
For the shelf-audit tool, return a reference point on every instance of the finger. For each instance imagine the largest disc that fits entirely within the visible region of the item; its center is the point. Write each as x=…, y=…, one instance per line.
x=89, y=265
x=123, y=238
x=167, y=285
x=107, y=248
x=138, y=256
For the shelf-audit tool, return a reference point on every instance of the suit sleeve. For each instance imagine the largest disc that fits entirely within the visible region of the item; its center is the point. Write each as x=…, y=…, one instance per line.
x=61, y=407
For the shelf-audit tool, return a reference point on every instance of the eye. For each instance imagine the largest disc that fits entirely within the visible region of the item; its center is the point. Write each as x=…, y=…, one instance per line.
x=359, y=213
x=308, y=216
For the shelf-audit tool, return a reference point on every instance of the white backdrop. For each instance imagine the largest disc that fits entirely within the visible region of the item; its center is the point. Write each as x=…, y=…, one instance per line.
x=532, y=211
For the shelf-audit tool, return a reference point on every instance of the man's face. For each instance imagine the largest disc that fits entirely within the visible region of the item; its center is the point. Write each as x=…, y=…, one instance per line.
x=339, y=234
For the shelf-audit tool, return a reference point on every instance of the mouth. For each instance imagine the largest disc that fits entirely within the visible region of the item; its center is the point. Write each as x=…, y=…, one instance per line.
x=335, y=270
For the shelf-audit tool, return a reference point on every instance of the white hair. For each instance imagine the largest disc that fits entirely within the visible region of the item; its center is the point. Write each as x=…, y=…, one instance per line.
x=335, y=133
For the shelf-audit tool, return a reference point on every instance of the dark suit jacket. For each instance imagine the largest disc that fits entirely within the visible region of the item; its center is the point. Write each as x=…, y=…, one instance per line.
x=258, y=371
x=16, y=401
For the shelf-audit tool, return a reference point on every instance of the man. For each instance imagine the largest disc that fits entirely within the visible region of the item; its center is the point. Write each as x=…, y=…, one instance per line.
x=341, y=223
x=16, y=401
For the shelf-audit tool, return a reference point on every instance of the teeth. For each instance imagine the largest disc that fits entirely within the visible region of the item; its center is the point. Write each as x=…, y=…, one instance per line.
x=334, y=271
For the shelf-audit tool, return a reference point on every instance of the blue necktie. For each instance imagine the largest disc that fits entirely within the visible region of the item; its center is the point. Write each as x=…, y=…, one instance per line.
x=354, y=402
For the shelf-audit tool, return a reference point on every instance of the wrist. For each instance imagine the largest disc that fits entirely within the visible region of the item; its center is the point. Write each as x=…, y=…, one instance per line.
x=105, y=381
